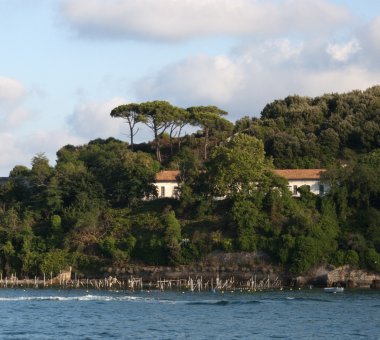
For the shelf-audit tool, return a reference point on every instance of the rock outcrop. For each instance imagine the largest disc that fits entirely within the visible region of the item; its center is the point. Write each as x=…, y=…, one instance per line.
x=241, y=266
x=244, y=266
x=328, y=276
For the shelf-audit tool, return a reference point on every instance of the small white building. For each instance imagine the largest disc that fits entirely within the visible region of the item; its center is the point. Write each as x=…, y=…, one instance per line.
x=167, y=181
x=299, y=177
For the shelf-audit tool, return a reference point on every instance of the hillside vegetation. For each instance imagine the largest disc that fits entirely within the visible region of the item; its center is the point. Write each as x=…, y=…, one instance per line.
x=90, y=209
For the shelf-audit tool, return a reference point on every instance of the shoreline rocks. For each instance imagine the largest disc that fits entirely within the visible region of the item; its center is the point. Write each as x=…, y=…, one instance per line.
x=345, y=276
x=244, y=266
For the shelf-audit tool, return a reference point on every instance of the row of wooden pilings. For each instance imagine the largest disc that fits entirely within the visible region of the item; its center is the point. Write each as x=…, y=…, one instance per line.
x=58, y=282
x=217, y=284
x=135, y=283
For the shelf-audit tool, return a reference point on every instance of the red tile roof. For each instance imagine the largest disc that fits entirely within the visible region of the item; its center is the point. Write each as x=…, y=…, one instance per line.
x=167, y=176
x=289, y=174
x=299, y=173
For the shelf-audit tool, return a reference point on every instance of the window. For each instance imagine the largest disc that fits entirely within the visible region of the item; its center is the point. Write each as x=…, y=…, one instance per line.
x=295, y=192
x=321, y=189
x=162, y=191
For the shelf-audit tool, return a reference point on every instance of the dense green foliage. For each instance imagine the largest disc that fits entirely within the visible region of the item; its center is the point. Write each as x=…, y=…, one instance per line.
x=90, y=210
x=303, y=132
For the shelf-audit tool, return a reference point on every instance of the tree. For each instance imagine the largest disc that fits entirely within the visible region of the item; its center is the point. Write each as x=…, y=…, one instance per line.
x=129, y=112
x=106, y=170
x=360, y=181
x=210, y=119
x=352, y=258
x=180, y=119
x=329, y=145
x=246, y=216
x=7, y=252
x=54, y=261
x=41, y=183
x=238, y=167
x=76, y=181
x=305, y=255
x=41, y=170
x=16, y=188
x=157, y=115
x=172, y=237
x=372, y=259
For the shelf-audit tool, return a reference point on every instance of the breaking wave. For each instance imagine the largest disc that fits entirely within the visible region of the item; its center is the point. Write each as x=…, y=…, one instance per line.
x=88, y=297
x=106, y=298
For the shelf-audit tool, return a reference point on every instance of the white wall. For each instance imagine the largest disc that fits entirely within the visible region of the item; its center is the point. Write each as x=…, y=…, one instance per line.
x=313, y=184
x=170, y=189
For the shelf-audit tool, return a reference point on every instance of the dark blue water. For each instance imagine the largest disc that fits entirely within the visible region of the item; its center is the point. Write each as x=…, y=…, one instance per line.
x=80, y=314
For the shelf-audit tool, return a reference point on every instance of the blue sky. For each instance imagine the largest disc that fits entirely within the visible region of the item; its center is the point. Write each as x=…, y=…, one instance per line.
x=64, y=64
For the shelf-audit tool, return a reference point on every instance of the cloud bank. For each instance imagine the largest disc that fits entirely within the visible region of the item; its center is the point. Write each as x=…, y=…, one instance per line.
x=175, y=20
x=11, y=90
x=89, y=120
x=281, y=47
x=92, y=119
x=252, y=75
x=12, y=109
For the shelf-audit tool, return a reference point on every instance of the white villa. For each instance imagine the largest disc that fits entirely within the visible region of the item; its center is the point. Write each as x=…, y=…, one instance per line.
x=299, y=177
x=167, y=181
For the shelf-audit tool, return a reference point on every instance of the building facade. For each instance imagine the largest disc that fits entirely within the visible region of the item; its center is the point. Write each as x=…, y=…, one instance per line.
x=167, y=184
x=167, y=181
x=299, y=177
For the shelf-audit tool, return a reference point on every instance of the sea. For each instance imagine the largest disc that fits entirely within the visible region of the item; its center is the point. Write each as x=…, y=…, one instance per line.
x=93, y=314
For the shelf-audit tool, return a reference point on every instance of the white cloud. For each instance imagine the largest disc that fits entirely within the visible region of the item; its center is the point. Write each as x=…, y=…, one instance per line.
x=11, y=90
x=341, y=80
x=368, y=36
x=343, y=52
x=370, y=41
x=12, y=109
x=204, y=78
x=11, y=153
x=278, y=52
x=50, y=141
x=254, y=75
x=177, y=20
x=374, y=33
x=17, y=116
x=89, y=121
x=93, y=120
x=16, y=149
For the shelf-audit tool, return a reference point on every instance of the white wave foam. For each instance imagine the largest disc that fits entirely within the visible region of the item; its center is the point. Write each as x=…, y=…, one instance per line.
x=87, y=297
x=93, y=297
